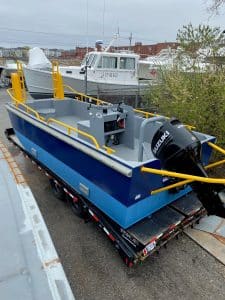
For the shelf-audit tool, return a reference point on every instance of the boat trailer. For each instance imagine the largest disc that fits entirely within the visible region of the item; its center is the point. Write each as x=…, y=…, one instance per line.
x=139, y=241
x=172, y=144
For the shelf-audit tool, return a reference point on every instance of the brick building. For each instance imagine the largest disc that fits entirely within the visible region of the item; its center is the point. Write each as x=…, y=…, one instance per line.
x=139, y=48
x=147, y=50
x=77, y=53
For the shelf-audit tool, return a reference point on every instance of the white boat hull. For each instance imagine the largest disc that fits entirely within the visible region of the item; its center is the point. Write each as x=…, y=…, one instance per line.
x=39, y=84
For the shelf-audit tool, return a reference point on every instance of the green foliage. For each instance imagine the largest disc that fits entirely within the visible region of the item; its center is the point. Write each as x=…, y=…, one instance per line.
x=197, y=97
x=191, y=39
x=197, y=43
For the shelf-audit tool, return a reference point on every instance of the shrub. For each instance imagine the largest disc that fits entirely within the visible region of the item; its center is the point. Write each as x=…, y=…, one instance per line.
x=194, y=96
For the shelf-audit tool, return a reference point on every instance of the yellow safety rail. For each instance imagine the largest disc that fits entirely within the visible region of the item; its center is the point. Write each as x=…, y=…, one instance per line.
x=183, y=176
x=28, y=108
x=147, y=114
x=18, y=84
x=217, y=148
x=57, y=82
x=184, y=182
x=150, y=115
x=188, y=178
x=83, y=96
x=71, y=128
x=109, y=150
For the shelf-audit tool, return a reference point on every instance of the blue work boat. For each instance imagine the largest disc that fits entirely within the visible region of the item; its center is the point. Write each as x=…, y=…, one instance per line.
x=100, y=150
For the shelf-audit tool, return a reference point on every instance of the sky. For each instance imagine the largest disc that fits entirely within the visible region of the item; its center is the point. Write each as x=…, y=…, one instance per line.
x=70, y=23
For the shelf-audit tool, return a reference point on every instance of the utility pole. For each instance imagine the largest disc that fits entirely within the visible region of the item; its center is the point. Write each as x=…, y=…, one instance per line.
x=85, y=77
x=86, y=67
x=130, y=39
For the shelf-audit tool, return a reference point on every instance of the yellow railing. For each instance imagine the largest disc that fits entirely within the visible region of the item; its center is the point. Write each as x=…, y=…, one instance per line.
x=71, y=128
x=188, y=178
x=184, y=182
x=147, y=114
x=150, y=115
x=83, y=96
x=183, y=176
x=217, y=148
x=27, y=108
x=109, y=150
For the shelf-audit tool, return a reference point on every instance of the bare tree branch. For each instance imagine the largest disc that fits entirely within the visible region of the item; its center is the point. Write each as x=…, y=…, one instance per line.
x=216, y=6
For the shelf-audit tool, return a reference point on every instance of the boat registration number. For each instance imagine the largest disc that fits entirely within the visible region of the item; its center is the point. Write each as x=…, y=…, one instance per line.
x=109, y=75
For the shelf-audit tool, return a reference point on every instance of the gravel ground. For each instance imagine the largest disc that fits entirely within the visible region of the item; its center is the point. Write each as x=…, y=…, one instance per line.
x=95, y=270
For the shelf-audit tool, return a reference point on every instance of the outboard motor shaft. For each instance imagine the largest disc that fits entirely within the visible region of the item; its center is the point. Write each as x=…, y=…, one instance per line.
x=179, y=150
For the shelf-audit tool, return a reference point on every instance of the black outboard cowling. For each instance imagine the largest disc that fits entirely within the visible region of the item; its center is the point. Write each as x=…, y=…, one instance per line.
x=179, y=150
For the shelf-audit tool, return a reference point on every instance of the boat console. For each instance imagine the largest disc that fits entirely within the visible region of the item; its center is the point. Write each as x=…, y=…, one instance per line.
x=111, y=125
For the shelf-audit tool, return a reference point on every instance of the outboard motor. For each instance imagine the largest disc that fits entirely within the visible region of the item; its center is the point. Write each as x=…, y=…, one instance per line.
x=179, y=150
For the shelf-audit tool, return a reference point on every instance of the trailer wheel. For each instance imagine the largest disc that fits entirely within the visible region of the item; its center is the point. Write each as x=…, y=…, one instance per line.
x=77, y=207
x=57, y=190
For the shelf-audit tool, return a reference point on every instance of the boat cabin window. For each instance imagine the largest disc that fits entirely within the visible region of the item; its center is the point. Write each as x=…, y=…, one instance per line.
x=107, y=62
x=127, y=63
x=89, y=60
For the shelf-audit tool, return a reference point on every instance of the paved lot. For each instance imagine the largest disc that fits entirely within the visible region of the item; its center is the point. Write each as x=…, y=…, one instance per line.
x=95, y=270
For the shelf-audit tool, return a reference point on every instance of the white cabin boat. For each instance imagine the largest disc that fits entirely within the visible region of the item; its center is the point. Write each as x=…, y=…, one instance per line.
x=108, y=74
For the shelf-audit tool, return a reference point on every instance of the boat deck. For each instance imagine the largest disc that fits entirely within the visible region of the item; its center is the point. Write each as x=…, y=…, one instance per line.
x=126, y=153
x=96, y=121
x=29, y=266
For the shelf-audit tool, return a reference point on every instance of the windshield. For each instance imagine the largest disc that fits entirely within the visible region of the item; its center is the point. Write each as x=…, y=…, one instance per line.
x=89, y=59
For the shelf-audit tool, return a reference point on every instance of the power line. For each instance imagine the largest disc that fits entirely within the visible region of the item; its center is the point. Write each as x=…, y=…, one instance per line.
x=38, y=32
x=70, y=35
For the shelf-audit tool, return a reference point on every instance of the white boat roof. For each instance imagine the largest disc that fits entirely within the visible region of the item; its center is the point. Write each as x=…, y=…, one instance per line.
x=29, y=266
x=119, y=54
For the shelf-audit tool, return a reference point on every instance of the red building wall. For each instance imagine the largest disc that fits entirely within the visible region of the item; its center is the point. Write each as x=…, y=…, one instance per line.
x=139, y=48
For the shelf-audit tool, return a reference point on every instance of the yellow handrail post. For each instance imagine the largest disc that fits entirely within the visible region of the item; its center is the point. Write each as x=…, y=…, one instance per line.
x=18, y=91
x=57, y=82
x=18, y=85
x=21, y=80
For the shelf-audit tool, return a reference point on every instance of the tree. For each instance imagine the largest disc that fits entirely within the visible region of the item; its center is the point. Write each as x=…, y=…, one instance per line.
x=196, y=96
x=216, y=5
x=197, y=43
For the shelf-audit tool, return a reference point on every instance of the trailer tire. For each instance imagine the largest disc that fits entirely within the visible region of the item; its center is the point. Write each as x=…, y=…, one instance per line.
x=57, y=190
x=77, y=207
